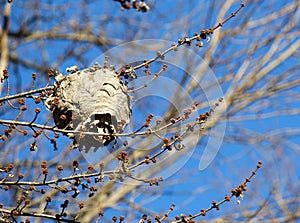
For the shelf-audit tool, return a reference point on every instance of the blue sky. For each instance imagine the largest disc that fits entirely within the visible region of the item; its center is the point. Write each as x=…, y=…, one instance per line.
x=189, y=188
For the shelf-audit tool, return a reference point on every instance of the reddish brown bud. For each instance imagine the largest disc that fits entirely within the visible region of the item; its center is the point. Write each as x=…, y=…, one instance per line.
x=45, y=171
x=44, y=164
x=10, y=167
x=5, y=73
x=165, y=140
x=23, y=108
x=51, y=72
x=75, y=164
x=20, y=176
x=202, y=117
x=21, y=101
x=81, y=205
x=60, y=168
x=93, y=188
x=127, y=6
x=173, y=120
x=203, y=212
x=227, y=198
x=150, y=116
x=48, y=199
x=165, y=66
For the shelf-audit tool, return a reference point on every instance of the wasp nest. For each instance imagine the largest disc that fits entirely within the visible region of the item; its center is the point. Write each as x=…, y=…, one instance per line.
x=90, y=100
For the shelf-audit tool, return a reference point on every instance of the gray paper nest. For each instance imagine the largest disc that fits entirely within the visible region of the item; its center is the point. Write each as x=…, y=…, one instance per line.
x=90, y=100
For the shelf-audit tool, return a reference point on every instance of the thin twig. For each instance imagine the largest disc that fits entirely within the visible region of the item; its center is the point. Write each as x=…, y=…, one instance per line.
x=27, y=93
x=236, y=192
x=36, y=215
x=175, y=46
